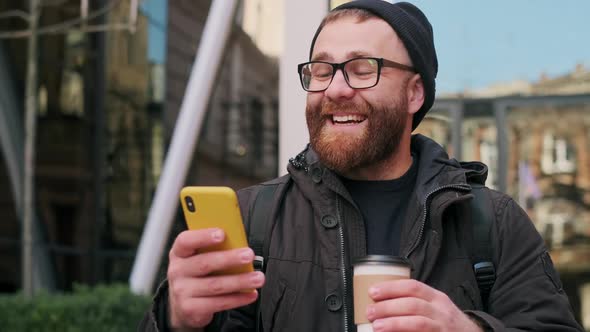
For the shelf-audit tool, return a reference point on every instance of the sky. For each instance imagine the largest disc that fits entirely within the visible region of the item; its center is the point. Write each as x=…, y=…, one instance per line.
x=484, y=42
x=478, y=42
x=156, y=13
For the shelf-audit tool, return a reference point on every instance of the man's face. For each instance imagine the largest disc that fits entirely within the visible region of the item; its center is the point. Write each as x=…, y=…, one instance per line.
x=355, y=128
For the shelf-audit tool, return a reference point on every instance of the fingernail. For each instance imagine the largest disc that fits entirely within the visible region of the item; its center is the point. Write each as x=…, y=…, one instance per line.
x=246, y=255
x=373, y=291
x=257, y=278
x=217, y=235
x=370, y=312
x=378, y=325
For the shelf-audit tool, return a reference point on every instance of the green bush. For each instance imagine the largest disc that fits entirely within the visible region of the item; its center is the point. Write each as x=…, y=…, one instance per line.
x=103, y=308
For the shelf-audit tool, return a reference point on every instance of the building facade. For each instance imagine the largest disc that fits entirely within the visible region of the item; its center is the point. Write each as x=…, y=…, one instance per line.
x=94, y=146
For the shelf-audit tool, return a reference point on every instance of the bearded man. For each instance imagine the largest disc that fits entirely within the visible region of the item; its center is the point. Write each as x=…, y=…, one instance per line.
x=366, y=186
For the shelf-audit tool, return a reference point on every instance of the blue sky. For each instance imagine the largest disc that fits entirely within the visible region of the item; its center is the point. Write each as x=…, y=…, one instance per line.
x=484, y=42
x=156, y=12
x=478, y=42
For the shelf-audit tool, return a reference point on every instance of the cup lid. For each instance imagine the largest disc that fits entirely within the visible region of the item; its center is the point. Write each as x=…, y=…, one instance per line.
x=382, y=259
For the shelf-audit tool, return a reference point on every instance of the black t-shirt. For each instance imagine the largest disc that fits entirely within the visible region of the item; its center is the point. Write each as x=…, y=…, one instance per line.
x=383, y=207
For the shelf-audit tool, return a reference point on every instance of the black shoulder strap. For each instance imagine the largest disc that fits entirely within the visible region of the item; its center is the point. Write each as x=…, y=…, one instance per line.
x=259, y=235
x=259, y=223
x=482, y=214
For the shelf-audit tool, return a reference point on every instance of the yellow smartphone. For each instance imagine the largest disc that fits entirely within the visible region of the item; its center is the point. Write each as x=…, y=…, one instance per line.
x=208, y=207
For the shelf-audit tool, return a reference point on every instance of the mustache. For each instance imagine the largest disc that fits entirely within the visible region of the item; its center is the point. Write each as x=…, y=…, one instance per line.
x=328, y=107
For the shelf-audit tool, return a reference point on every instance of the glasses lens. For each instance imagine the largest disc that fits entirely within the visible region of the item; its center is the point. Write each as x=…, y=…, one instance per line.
x=316, y=76
x=362, y=73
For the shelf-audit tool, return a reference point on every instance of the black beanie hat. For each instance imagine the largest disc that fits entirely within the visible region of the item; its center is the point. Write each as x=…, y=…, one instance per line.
x=413, y=28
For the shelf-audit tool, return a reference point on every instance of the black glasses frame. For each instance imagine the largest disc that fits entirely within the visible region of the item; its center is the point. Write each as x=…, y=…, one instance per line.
x=381, y=62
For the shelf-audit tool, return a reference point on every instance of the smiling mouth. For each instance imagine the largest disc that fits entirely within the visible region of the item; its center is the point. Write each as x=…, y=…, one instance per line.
x=348, y=119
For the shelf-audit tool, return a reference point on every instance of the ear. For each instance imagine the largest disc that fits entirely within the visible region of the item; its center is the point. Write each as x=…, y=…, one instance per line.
x=415, y=90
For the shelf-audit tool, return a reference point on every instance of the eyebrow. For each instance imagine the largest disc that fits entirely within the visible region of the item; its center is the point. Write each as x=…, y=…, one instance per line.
x=325, y=56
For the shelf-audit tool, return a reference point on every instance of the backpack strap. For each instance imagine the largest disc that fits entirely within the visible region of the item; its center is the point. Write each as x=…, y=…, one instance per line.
x=259, y=224
x=482, y=216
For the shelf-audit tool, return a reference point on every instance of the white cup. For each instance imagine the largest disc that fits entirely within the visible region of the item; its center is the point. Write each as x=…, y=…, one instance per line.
x=368, y=271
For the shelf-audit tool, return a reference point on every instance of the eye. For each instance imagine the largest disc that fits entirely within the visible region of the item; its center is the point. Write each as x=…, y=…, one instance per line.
x=362, y=67
x=321, y=74
x=321, y=71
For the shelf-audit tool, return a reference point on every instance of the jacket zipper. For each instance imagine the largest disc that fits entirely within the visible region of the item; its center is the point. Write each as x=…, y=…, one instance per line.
x=342, y=266
x=460, y=187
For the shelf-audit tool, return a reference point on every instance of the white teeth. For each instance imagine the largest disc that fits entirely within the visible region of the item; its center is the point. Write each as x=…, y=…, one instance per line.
x=347, y=118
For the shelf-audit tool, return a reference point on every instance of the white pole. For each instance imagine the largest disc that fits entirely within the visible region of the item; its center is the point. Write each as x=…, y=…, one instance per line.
x=188, y=125
x=293, y=134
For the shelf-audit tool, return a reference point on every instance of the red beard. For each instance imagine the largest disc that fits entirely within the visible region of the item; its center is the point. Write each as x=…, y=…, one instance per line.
x=342, y=152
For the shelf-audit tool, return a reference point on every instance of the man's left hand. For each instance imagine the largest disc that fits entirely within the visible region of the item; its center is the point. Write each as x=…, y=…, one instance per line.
x=408, y=305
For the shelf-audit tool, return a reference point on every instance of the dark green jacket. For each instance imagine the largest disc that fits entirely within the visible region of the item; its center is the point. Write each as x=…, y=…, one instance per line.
x=319, y=231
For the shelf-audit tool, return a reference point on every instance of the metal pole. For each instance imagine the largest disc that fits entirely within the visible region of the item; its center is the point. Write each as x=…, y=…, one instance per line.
x=500, y=110
x=456, y=129
x=133, y=16
x=186, y=132
x=96, y=43
x=30, y=129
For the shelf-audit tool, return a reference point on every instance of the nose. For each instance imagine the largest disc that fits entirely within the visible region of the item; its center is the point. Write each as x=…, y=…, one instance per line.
x=339, y=89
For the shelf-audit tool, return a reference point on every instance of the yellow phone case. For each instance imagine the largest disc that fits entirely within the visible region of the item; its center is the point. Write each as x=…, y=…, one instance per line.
x=208, y=207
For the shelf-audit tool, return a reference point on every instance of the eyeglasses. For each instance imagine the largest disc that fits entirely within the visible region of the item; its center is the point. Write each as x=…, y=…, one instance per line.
x=359, y=73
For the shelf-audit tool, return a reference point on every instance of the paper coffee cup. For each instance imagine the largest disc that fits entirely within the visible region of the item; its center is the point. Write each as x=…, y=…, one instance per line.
x=368, y=271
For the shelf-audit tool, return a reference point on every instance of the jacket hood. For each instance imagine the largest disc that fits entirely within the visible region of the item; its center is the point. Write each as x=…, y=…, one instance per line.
x=475, y=171
x=435, y=168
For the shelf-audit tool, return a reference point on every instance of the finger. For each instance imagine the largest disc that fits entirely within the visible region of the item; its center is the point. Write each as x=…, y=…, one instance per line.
x=194, y=310
x=405, y=324
x=217, y=285
x=403, y=306
x=206, y=263
x=402, y=288
x=187, y=243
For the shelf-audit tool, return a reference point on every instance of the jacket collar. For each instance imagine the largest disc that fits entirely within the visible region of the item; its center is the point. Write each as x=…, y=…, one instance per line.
x=435, y=169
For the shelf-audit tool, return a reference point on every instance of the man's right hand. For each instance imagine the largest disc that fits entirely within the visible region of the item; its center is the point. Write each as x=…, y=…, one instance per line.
x=194, y=294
